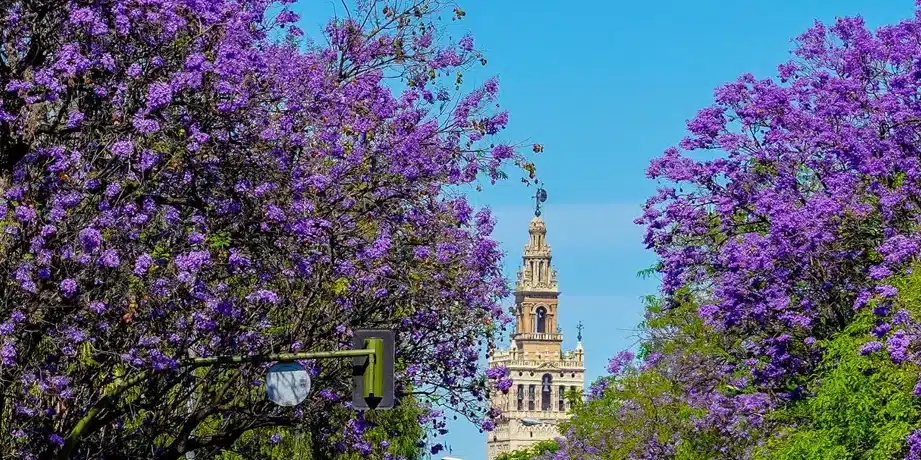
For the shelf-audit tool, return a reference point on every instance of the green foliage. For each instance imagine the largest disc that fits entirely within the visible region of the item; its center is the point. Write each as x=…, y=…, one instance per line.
x=399, y=427
x=542, y=447
x=855, y=406
x=656, y=410
x=220, y=240
x=648, y=272
x=860, y=407
x=601, y=420
x=291, y=445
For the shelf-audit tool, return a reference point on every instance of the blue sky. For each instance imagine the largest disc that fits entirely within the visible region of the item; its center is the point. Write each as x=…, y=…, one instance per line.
x=606, y=86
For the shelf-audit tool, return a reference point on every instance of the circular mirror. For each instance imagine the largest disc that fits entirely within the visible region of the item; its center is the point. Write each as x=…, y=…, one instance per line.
x=287, y=384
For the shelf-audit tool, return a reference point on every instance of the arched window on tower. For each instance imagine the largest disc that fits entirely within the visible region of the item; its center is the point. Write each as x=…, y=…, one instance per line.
x=541, y=320
x=546, y=401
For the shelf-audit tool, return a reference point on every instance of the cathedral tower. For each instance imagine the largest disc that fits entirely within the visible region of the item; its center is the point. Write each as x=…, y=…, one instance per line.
x=542, y=373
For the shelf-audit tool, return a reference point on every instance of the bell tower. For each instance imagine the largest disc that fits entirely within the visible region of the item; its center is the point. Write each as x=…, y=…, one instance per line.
x=537, y=296
x=543, y=374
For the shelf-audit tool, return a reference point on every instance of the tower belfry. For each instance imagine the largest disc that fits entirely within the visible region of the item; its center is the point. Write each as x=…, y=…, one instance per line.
x=542, y=373
x=536, y=295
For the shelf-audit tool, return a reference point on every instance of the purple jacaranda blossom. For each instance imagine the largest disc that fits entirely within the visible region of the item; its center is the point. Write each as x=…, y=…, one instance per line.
x=897, y=346
x=48, y=230
x=123, y=148
x=109, y=258
x=497, y=372
x=617, y=364
x=97, y=307
x=870, y=347
x=142, y=264
x=134, y=70
x=74, y=119
x=145, y=126
x=25, y=214
x=113, y=189
x=159, y=95
x=196, y=238
x=263, y=295
x=68, y=287
x=311, y=187
x=770, y=241
x=193, y=261
x=881, y=329
x=887, y=291
x=466, y=43
x=880, y=272
x=90, y=239
x=914, y=445
x=8, y=354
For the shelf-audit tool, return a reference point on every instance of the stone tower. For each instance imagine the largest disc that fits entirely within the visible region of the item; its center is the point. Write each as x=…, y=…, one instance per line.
x=542, y=373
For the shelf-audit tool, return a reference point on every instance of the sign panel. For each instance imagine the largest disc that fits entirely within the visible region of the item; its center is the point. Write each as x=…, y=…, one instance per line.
x=385, y=400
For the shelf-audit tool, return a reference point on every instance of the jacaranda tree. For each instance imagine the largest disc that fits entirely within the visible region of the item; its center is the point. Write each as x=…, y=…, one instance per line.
x=190, y=178
x=785, y=225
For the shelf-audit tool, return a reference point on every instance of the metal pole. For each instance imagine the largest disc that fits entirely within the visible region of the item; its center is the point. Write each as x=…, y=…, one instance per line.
x=190, y=407
x=374, y=373
x=276, y=357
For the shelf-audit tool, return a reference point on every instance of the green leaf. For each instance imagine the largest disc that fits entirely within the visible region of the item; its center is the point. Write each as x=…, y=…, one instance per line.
x=341, y=286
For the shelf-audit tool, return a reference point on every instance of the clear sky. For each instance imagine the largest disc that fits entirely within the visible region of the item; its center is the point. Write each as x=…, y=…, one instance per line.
x=605, y=86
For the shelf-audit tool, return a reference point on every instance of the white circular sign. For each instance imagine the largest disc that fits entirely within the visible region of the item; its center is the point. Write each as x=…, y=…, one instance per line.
x=287, y=384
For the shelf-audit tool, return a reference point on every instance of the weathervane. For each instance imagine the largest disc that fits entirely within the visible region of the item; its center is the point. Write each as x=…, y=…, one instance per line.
x=539, y=197
x=579, y=328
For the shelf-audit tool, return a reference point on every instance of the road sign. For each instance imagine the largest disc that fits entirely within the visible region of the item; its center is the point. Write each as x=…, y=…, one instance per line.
x=287, y=384
x=373, y=376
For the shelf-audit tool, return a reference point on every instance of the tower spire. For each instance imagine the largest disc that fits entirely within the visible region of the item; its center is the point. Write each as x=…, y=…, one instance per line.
x=536, y=290
x=536, y=274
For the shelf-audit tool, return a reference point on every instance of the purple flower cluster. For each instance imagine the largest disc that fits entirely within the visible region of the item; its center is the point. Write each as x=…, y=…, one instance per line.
x=501, y=377
x=205, y=184
x=619, y=362
x=784, y=213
